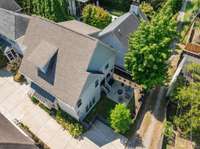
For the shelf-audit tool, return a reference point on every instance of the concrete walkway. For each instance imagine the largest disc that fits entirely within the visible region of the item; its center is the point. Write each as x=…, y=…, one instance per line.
x=15, y=104
x=149, y=132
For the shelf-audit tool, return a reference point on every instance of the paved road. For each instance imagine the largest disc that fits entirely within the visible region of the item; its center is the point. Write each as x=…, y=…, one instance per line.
x=14, y=104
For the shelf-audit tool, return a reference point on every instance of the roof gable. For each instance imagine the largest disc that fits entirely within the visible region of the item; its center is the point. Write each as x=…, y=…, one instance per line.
x=73, y=57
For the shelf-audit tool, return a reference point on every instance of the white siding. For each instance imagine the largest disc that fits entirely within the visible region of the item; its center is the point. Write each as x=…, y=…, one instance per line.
x=113, y=41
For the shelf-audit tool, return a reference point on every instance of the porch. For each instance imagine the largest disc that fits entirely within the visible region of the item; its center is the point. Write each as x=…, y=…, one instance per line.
x=120, y=93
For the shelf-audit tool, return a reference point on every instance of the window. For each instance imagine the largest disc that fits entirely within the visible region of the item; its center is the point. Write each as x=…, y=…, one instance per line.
x=79, y=103
x=106, y=67
x=11, y=54
x=96, y=83
x=87, y=108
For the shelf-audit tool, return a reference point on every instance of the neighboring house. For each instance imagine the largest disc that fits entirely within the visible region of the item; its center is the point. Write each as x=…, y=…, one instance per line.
x=190, y=54
x=65, y=66
x=12, y=28
x=10, y=5
x=76, y=6
x=117, y=33
x=12, y=138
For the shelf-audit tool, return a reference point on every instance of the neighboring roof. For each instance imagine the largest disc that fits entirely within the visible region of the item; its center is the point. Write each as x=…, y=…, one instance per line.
x=73, y=57
x=10, y=5
x=80, y=27
x=194, y=48
x=122, y=27
x=13, y=25
x=11, y=137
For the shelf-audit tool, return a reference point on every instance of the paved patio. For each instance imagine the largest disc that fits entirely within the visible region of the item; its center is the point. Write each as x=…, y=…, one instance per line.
x=120, y=93
x=14, y=104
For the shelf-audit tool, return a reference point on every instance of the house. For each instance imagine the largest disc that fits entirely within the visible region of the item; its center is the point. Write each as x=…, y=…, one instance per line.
x=191, y=52
x=10, y=5
x=117, y=33
x=66, y=67
x=12, y=138
x=76, y=6
x=12, y=29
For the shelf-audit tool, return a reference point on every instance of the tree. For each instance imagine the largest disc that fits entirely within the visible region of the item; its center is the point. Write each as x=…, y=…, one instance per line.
x=188, y=114
x=149, y=48
x=120, y=118
x=96, y=16
x=56, y=10
x=147, y=9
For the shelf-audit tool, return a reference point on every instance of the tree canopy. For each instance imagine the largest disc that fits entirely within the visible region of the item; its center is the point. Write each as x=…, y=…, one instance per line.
x=56, y=10
x=149, y=47
x=147, y=9
x=120, y=118
x=96, y=16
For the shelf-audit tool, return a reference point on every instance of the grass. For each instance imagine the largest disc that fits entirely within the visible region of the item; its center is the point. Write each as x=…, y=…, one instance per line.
x=102, y=108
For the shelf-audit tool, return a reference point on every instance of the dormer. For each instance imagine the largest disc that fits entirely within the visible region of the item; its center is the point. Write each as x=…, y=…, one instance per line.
x=44, y=58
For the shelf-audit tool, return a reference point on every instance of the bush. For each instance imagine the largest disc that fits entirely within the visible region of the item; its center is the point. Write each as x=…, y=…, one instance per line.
x=18, y=77
x=96, y=16
x=169, y=132
x=34, y=100
x=3, y=60
x=147, y=9
x=120, y=118
x=74, y=128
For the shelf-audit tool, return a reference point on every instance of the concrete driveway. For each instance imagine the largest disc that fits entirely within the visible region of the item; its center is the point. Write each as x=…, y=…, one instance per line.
x=15, y=104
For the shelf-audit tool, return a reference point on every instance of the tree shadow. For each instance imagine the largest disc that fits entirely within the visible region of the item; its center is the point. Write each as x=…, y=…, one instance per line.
x=137, y=142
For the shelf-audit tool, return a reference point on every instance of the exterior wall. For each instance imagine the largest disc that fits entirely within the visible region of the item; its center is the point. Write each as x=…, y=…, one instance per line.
x=113, y=41
x=68, y=109
x=89, y=91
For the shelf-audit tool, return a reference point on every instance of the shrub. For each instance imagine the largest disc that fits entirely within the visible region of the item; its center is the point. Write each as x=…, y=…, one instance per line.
x=3, y=60
x=147, y=9
x=169, y=132
x=75, y=129
x=34, y=100
x=18, y=77
x=96, y=16
x=120, y=118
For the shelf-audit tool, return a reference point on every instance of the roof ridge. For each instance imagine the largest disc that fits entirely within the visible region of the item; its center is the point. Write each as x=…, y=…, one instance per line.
x=50, y=21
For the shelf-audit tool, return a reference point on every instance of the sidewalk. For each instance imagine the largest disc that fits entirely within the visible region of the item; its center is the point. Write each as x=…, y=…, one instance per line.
x=15, y=104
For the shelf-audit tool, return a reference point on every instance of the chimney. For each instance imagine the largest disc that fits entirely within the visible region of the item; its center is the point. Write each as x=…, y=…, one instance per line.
x=135, y=7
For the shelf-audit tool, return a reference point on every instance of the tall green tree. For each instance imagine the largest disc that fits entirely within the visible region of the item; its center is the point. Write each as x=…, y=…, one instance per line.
x=147, y=9
x=120, y=118
x=149, y=48
x=96, y=16
x=56, y=10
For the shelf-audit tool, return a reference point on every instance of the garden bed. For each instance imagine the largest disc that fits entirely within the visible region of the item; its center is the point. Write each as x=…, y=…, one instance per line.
x=74, y=128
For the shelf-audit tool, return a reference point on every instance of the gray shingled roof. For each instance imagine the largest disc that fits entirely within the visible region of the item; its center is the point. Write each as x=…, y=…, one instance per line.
x=12, y=138
x=73, y=57
x=13, y=25
x=122, y=27
x=10, y=5
x=80, y=27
